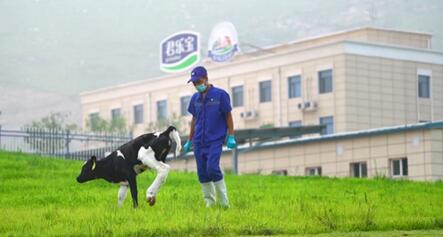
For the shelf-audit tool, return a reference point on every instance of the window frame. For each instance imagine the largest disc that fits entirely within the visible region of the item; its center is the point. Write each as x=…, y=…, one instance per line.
x=325, y=132
x=184, y=106
x=298, y=80
x=282, y=172
x=427, y=95
x=138, y=120
x=158, y=102
x=403, y=162
x=317, y=171
x=235, y=98
x=360, y=169
x=322, y=86
x=119, y=115
x=93, y=115
x=262, y=98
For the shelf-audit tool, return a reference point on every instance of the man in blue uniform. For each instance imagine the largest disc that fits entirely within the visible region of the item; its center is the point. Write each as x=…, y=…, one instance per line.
x=211, y=120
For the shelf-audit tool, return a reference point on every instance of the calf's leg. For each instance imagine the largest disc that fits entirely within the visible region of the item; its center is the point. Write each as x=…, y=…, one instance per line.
x=133, y=187
x=122, y=191
x=147, y=157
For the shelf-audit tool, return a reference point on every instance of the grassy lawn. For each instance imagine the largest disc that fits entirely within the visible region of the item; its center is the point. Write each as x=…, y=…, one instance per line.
x=388, y=233
x=40, y=197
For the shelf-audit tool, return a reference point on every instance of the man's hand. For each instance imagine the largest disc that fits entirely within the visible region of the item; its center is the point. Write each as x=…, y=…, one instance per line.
x=187, y=147
x=231, y=143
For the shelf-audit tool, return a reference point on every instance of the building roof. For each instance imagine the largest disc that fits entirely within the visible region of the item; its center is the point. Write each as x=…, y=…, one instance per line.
x=332, y=34
x=343, y=135
x=368, y=132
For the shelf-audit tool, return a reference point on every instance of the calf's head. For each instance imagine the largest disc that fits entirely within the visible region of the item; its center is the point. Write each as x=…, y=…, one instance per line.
x=162, y=143
x=88, y=171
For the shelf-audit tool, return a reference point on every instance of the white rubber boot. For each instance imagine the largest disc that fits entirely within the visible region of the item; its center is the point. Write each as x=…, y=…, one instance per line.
x=222, y=193
x=208, y=191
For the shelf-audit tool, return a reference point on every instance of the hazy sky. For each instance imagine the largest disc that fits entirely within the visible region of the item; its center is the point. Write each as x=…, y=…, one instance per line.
x=63, y=47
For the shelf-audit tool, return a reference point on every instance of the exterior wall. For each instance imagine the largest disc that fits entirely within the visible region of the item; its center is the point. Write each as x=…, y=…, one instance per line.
x=368, y=92
x=436, y=145
x=422, y=148
x=398, y=38
x=279, y=111
x=275, y=112
x=384, y=92
x=282, y=109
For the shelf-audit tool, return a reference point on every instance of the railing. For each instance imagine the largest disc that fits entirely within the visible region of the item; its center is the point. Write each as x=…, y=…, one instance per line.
x=71, y=145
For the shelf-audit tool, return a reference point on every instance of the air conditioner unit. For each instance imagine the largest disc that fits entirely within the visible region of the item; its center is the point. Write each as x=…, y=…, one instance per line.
x=301, y=106
x=310, y=105
x=251, y=114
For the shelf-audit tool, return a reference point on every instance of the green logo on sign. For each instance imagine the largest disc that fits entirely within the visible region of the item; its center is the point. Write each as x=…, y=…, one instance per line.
x=179, y=51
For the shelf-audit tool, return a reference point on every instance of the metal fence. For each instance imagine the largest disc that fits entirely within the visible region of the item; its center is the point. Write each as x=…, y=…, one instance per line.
x=71, y=145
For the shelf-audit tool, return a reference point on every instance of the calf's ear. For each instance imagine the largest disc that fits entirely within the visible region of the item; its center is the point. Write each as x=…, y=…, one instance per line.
x=171, y=128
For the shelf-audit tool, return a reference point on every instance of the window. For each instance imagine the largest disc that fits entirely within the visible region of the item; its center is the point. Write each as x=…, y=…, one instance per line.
x=94, y=118
x=138, y=114
x=399, y=167
x=325, y=81
x=359, y=170
x=184, y=103
x=295, y=124
x=313, y=171
x=424, y=86
x=237, y=96
x=280, y=172
x=294, y=86
x=115, y=113
x=161, y=109
x=265, y=91
x=329, y=122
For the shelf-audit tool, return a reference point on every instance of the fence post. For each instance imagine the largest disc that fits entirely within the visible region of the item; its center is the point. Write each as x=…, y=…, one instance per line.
x=0, y=132
x=234, y=161
x=67, y=144
x=53, y=141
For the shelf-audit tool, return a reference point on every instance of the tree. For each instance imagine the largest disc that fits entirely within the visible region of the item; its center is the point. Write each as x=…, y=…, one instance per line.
x=116, y=125
x=48, y=134
x=267, y=125
x=179, y=122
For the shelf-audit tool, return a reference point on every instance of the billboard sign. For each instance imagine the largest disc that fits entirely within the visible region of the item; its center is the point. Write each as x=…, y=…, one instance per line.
x=223, y=42
x=179, y=51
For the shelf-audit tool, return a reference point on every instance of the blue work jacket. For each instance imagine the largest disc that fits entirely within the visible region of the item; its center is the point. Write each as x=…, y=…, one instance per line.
x=210, y=116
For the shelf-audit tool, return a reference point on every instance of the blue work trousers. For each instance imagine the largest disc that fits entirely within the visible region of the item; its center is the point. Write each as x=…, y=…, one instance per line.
x=208, y=162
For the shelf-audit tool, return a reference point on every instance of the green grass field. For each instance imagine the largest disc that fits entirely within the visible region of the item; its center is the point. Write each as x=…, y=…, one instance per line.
x=40, y=197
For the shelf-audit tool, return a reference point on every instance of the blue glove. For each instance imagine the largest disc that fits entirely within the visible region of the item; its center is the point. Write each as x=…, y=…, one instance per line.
x=231, y=143
x=187, y=146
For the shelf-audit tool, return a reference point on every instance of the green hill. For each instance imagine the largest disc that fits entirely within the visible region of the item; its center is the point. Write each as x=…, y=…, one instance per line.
x=40, y=197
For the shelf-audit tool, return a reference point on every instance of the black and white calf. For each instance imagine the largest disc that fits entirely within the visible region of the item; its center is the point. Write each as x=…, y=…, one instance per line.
x=123, y=165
